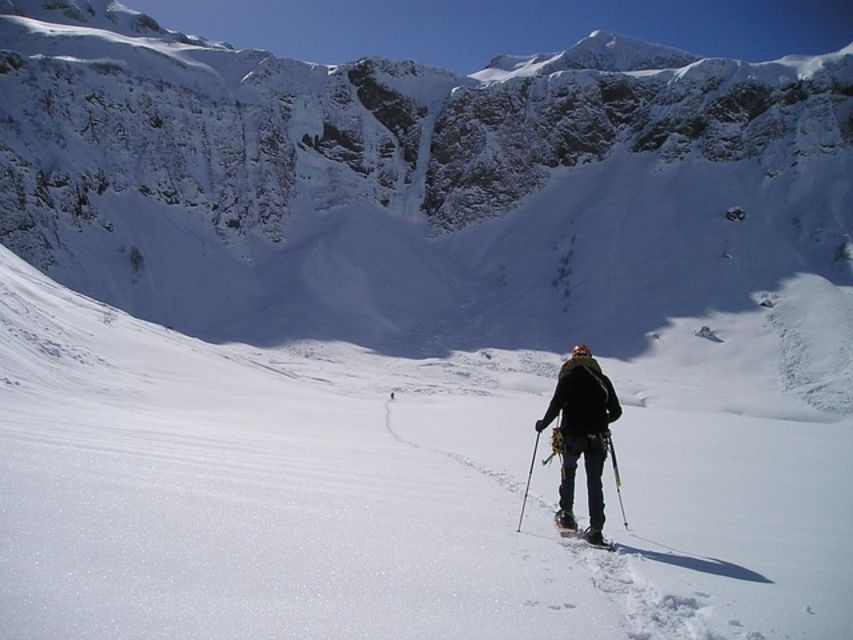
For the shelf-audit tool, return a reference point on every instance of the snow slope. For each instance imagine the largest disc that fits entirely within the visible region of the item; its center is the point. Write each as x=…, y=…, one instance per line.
x=256, y=481
x=636, y=268
x=106, y=15
x=155, y=485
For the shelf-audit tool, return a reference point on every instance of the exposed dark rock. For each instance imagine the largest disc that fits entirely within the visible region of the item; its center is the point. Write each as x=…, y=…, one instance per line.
x=342, y=146
x=399, y=114
x=742, y=103
x=735, y=214
x=10, y=61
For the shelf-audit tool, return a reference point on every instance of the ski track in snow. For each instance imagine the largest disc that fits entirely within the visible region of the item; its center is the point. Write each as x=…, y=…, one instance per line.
x=45, y=337
x=797, y=369
x=649, y=613
x=503, y=479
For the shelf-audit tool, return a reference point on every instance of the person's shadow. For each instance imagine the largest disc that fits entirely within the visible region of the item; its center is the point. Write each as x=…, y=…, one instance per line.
x=713, y=566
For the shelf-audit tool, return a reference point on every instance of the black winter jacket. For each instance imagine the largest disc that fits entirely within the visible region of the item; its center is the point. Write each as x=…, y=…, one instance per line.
x=587, y=399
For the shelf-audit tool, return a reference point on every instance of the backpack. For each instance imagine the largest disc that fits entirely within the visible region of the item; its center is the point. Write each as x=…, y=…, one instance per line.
x=586, y=409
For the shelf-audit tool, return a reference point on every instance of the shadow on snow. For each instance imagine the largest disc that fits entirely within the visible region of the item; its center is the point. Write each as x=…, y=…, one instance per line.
x=713, y=566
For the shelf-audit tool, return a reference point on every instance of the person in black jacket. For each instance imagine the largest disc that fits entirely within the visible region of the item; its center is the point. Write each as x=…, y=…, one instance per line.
x=589, y=404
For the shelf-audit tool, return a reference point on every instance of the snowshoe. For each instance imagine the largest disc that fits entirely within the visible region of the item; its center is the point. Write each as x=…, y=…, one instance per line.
x=595, y=538
x=566, y=523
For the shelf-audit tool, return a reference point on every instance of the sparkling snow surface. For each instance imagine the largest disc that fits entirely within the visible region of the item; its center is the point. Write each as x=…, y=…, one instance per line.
x=157, y=486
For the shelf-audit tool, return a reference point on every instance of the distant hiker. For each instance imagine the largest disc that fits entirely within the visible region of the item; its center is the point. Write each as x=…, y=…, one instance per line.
x=589, y=404
x=392, y=395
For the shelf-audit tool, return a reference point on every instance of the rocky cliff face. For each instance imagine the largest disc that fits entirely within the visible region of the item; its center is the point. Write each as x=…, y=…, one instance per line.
x=77, y=131
x=233, y=137
x=240, y=139
x=493, y=144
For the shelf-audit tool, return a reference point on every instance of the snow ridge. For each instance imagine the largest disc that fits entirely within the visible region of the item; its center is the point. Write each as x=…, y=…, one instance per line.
x=108, y=15
x=601, y=51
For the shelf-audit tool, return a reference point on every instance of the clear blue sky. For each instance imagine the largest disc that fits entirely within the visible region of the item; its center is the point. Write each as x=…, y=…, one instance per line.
x=463, y=35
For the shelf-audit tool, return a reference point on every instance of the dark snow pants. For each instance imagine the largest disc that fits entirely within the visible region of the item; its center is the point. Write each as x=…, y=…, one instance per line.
x=594, y=454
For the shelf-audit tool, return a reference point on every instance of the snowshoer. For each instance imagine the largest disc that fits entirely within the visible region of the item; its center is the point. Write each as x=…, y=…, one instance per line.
x=589, y=404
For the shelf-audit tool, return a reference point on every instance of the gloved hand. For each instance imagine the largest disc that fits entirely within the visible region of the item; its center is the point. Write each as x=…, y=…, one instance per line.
x=541, y=425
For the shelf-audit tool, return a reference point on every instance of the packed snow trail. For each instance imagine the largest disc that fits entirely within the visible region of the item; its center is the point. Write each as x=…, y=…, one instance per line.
x=648, y=612
x=502, y=478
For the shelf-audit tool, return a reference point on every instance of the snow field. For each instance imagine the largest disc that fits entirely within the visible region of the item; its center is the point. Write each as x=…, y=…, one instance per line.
x=236, y=524
x=157, y=486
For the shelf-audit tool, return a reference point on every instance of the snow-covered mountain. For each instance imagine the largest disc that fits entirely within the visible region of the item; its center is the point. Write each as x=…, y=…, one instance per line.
x=610, y=95
x=101, y=14
x=237, y=137
x=620, y=192
x=323, y=236
x=601, y=51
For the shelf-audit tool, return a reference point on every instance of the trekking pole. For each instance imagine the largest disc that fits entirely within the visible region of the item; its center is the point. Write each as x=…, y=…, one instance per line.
x=529, y=476
x=618, y=479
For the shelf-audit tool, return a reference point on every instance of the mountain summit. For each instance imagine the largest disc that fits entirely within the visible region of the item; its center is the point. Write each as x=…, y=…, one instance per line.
x=108, y=15
x=600, y=51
